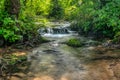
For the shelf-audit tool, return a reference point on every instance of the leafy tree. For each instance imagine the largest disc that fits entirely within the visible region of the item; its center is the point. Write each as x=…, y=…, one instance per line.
x=107, y=20
x=57, y=10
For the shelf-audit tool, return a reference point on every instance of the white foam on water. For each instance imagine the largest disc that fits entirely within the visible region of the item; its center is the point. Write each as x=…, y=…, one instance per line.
x=56, y=35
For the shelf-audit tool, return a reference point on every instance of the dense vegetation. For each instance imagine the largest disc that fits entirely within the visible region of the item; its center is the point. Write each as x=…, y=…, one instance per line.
x=99, y=18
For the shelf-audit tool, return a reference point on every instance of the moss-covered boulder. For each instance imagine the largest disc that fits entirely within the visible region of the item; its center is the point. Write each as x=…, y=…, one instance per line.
x=74, y=42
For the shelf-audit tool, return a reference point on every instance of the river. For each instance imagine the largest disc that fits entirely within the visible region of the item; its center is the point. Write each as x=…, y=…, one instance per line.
x=57, y=61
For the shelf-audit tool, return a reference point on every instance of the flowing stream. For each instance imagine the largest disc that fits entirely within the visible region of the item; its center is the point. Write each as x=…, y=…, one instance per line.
x=57, y=61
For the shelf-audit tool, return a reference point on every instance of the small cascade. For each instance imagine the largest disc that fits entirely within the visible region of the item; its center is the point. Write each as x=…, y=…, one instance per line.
x=60, y=30
x=57, y=31
x=50, y=30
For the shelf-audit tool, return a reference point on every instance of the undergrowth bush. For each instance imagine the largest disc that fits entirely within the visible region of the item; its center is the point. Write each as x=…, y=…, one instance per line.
x=74, y=42
x=10, y=64
x=117, y=38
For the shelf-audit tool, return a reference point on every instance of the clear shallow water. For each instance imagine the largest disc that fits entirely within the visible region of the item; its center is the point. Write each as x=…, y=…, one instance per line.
x=56, y=61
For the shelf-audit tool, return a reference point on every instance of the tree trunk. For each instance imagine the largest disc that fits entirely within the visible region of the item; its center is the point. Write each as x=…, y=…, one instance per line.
x=12, y=7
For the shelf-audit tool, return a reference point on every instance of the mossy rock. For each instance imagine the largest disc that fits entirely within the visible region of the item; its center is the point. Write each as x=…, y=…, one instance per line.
x=74, y=42
x=44, y=40
x=117, y=38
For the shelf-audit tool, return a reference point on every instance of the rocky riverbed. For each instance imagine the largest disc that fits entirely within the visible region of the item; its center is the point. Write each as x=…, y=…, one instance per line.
x=57, y=61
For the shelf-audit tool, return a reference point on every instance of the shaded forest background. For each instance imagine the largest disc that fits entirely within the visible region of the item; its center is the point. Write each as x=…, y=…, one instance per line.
x=98, y=18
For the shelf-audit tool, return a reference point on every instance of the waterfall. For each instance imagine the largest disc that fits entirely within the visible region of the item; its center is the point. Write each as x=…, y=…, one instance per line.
x=50, y=30
x=57, y=31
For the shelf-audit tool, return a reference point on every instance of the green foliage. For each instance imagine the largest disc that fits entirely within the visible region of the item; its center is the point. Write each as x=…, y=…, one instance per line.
x=57, y=10
x=74, y=42
x=35, y=7
x=9, y=29
x=84, y=14
x=101, y=18
x=107, y=19
x=13, y=29
x=1, y=5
